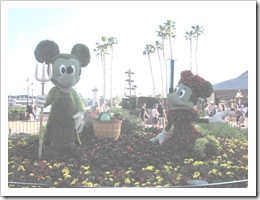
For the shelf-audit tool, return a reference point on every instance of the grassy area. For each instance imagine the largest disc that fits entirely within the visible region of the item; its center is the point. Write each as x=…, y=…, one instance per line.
x=223, y=130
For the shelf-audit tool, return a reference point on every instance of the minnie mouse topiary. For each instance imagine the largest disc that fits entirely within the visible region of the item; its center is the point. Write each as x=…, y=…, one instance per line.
x=181, y=115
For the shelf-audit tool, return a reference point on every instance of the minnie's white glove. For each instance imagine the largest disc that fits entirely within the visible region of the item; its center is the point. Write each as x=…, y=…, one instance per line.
x=161, y=137
x=79, y=122
x=220, y=116
x=40, y=101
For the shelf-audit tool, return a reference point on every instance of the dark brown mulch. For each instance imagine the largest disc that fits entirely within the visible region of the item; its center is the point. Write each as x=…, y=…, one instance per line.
x=127, y=151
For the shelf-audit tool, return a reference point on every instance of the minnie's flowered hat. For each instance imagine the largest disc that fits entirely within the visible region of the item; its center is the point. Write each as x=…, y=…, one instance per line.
x=199, y=86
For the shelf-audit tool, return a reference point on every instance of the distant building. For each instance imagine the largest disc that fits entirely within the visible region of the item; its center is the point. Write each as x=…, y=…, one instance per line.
x=232, y=92
x=19, y=100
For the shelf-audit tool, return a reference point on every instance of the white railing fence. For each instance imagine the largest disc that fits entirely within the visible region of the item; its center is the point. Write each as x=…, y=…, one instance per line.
x=25, y=126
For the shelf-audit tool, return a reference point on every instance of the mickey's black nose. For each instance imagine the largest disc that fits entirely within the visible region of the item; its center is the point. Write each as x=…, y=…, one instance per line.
x=70, y=70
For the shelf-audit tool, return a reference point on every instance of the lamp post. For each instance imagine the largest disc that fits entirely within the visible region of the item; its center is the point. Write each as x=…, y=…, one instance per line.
x=134, y=88
x=32, y=91
x=27, y=91
x=129, y=80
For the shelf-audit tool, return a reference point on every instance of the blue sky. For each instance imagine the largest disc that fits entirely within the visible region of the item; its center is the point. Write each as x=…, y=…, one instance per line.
x=225, y=51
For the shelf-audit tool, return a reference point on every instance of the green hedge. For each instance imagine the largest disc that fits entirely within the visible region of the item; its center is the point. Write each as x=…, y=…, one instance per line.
x=223, y=130
x=17, y=113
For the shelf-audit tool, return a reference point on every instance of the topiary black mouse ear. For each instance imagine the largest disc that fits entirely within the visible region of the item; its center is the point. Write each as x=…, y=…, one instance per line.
x=45, y=51
x=81, y=51
x=206, y=90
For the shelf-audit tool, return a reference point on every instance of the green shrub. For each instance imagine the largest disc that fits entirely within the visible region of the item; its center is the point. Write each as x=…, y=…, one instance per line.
x=16, y=112
x=199, y=147
x=212, y=146
x=206, y=146
x=223, y=130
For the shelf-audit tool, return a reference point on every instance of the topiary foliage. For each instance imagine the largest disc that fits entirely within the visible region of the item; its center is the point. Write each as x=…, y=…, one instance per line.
x=206, y=146
x=200, y=86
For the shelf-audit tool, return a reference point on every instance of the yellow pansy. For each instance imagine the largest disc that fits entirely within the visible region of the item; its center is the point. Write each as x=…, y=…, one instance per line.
x=74, y=181
x=117, y=184
x=127, y=181
x=150, y=168
x=20, y=168
x=196, y=175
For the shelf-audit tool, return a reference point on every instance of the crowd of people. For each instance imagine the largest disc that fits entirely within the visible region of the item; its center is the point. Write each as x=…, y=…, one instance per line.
x=156, y=117
x=241, y=115
x=241, y=112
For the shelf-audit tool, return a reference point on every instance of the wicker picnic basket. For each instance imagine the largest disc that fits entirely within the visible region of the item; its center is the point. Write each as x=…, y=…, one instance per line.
x=107, y=129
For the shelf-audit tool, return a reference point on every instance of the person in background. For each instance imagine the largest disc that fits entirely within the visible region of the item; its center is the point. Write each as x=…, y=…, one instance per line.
x=94, y=111
x=218, y=108
x=241, y=116
x=206, y=110
x=155, y=116
x=143, y=114
x=162, y=113
x=223, y=107
x=102, y=107
x=237, y=113
x=212, y=109
x=246, y=110
x=33, y=111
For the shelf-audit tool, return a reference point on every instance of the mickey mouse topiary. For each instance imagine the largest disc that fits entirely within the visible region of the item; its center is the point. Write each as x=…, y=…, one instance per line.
x=65, y=121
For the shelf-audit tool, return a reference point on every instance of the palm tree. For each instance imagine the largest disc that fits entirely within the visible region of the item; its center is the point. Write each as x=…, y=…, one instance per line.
x=147, y=51
x=189, y=36
x=198, y=30
x=101, y=50
x=170, y=32
x=111, y=41
x=158, y=46
x=161, y=33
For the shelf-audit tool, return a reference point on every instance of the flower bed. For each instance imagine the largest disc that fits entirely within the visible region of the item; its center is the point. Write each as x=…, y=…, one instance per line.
x=130, y=161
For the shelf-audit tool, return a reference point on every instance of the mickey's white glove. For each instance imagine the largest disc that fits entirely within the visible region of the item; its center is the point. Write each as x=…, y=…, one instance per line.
x=40, y=101
x=79, y=121
x=220, y=116
x=161, y=137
